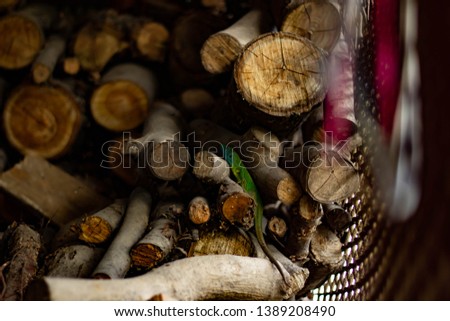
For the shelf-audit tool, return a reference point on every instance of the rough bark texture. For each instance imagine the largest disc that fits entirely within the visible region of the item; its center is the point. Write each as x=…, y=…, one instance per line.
x=210, y=168
x=303, y=227
x=24, y=245
x=194, y=278
x=326, y=257
x=99, y=227
x=161, y=238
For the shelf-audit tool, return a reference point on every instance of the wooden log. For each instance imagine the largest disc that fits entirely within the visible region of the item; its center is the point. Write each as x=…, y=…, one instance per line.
x=116, y=261
x=73, y=261
x=24, y=245
x=317, y=20
x=122, y=100
x=337, y=218
x=325, y=174
x=281, y=74
x=161, y=238
x=236, y=206
x=166, y=156
x=66, y=197
x=277, y=226
x=260, y=158
x=303, y=226
x=198, y=210
x=45, y=62
x=42, y=121
x=120, y=162
x=220, y=242
x=210, y=168
x=197, y=101
x=71, y=65
x=99, y=40
x=188, y=35
x=326, y=258
x=23, y=34
x=221, y=49
x=98, y=227
x=203, y=275
x=151, y=39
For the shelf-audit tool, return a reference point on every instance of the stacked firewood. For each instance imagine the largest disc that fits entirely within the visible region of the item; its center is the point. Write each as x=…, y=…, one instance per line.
x=114, y=124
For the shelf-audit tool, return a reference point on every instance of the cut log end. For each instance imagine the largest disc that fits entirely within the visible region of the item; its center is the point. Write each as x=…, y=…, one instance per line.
x=277, y=226
x=21, y=41
x=239, y=209
x=219, y=52
x=288, y=191
x=41, y=73
x=71, y=65
x=119, y=105
x=199, y=211
x=317, y=20
x=146, y=256
x=151, y=41
x=169, y=160
x=281, y=74
x=42, y=121
x=331, y=179
x=95, y=230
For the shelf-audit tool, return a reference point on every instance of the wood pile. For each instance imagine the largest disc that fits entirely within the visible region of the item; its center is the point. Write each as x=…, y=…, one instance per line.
x=115, y=115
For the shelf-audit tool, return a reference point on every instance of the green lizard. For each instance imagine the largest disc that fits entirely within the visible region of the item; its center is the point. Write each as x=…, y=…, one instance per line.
x=245, y=180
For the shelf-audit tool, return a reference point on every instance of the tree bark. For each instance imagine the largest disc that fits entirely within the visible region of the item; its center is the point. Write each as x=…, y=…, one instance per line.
x=210, y=277
x=161, y=238
x=303, y=226
x=24, y=245
x=210, y=168
x=337, y=218
x=221, y=49
x=46, y=60
x=326, y=258
x=42, y=121
x=73, y=261
x=123, y=99
x=166, y=156
x=23, y=34
x=116, y=261
x=98, y=227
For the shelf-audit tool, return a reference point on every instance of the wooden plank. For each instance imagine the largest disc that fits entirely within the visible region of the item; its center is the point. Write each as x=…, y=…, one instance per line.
x=51, y=191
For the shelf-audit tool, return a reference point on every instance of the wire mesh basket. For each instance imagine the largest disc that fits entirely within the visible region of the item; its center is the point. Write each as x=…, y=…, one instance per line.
x=383, y=260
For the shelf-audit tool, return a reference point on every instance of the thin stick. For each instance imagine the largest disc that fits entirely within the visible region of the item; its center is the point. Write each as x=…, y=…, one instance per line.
x=116, y=261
